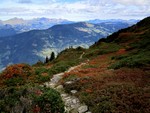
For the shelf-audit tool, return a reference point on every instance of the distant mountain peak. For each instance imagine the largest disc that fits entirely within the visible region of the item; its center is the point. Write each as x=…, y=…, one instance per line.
x=14, y=21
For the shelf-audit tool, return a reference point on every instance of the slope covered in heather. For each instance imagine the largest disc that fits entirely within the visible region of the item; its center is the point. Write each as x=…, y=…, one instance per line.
x=116, y=74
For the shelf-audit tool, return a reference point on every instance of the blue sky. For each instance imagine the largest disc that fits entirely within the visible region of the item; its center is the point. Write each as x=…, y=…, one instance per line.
x=76, y=10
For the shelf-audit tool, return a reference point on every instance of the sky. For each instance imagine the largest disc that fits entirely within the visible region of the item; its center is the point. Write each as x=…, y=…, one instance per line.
x=75, y=10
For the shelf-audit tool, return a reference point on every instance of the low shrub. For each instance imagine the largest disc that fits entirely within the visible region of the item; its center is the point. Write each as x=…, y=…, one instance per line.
x=62, y=66
x=40, y=70
x=132, y=60
x=16, y=74
x=30, y=99
x=14, y=81
x=49, y=102
x=42, y=79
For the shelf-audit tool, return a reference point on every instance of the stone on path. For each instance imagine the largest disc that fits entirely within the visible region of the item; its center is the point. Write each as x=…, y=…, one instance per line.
x=60, y=87
x=69, y=82
x=73, y=91
x=82, y=109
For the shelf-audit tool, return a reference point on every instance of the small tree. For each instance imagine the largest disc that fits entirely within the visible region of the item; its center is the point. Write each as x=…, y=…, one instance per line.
x=52, y=56
x=46, y=60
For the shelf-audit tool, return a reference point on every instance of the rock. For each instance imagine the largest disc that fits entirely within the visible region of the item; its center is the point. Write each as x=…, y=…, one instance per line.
x=52, y=85
x=82, y=109
x=73, y=111
x=73, y=106
x=69, y=82
x=64, y=95
x=73, y=91
x=74, y=101
x=57, y=77
x=68, y=102
x=66, y=98
x=59, y=87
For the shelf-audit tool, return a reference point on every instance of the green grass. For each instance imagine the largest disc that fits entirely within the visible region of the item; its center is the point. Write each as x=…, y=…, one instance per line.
x=71, y=77
x=132, y=60
x=40, y=70
x=135, y=59
x=14, y=81
x=101, y=49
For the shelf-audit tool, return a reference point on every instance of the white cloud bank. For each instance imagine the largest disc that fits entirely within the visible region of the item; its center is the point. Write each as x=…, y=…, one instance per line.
x=76, y=10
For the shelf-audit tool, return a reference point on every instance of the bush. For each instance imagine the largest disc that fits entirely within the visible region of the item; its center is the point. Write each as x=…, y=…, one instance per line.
x=40, y=70
x=50, y=101
x=132, y=60
x=17, y=70
x=14, y=81
x=41, y=79
x=61, y=67
x=28, y=98
x=103, y=48
x=16, y=74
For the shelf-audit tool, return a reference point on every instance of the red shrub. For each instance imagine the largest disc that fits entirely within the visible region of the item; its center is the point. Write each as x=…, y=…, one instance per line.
x=17, y=70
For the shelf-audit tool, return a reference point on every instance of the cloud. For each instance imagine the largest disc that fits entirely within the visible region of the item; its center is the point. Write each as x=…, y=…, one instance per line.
x=133, y=2
x=76, y=10
x=24, y=1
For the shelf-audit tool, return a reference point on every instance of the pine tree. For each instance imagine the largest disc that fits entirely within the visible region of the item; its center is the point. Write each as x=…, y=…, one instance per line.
x=52, y=56
x=46, y=60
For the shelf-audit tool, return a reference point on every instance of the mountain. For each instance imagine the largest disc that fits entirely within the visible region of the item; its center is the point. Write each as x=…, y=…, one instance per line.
x=7, y=30
x=45, y=23
x=130, y=22
x=15, y=21
x=1, y=23
x=29, y=47
x=20, y=25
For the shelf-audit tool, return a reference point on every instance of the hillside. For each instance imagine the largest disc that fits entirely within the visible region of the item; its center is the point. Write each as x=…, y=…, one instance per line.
x=113, y=75
x=29, y=47
x=117, y=76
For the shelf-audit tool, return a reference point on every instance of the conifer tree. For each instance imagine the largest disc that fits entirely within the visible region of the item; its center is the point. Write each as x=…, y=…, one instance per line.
x=52, y=56
x=46, y=60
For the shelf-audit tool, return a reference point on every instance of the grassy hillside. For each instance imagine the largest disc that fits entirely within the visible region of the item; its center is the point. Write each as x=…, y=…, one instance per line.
x=115, y=76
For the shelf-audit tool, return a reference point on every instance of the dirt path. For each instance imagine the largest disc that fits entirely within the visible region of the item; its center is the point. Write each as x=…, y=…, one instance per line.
x=82, y=55
x=72, y=103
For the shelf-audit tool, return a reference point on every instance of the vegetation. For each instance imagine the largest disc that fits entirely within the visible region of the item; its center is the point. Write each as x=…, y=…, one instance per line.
x=16, y=74
x=30, y=99
x=115, y=76
x=52, y=57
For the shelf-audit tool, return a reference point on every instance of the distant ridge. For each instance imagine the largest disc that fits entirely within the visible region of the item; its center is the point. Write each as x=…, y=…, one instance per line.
x=29, y=47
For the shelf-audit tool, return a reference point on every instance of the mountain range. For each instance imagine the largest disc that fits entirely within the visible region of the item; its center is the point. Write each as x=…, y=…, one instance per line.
x=19, y=25
x=20, y=43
